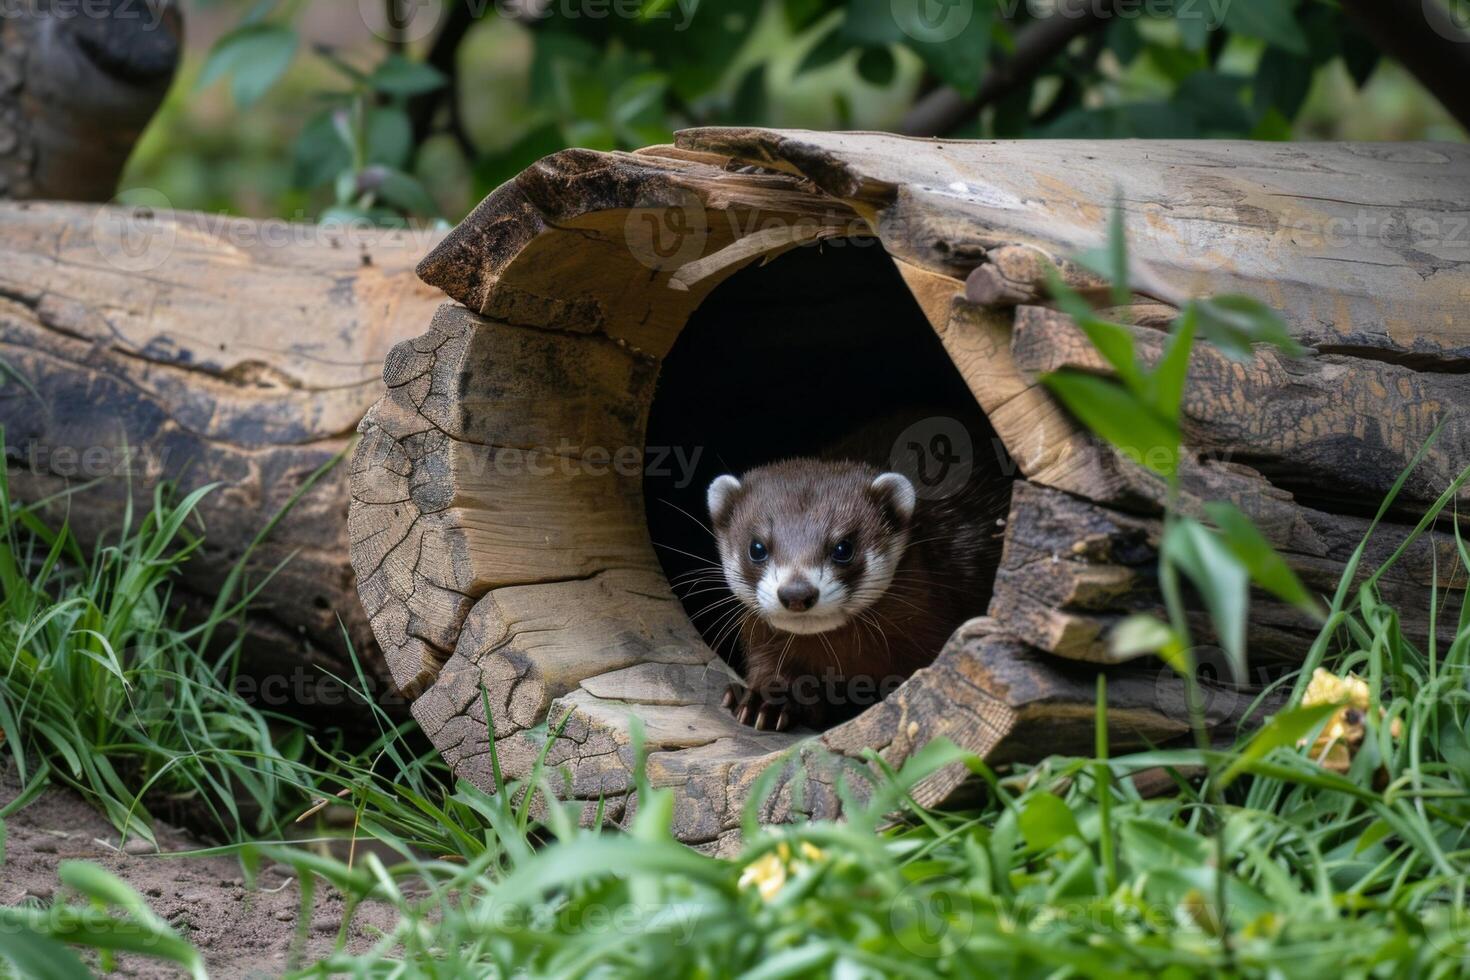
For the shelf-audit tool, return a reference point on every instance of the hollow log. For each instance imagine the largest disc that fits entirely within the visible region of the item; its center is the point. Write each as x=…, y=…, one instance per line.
x=78, y=84
x=139, y=347
x=608, y=301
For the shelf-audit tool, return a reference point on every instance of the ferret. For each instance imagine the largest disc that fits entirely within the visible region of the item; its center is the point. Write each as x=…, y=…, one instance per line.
x=848, y=579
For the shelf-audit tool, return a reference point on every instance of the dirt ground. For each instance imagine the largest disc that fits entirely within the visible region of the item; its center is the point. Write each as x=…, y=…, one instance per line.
x=242, y=932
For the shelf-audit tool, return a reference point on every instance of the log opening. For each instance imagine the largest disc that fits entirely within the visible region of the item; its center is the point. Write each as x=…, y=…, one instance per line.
x=792, y=358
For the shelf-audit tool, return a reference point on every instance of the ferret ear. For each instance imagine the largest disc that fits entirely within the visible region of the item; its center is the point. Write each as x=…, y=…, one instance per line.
x=895, y=492
x=720, y=498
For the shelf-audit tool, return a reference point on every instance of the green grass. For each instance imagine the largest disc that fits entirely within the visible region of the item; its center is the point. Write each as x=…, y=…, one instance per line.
x=103, y=689
x=1065, y=870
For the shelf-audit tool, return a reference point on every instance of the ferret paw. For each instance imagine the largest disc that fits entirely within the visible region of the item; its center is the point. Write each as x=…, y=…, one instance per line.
x=749, y=707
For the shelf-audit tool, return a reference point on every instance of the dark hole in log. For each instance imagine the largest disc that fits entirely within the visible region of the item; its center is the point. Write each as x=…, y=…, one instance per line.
x=786, y=359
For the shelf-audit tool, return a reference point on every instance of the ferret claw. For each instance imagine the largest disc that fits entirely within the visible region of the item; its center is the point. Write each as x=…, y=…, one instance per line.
x=749, y=708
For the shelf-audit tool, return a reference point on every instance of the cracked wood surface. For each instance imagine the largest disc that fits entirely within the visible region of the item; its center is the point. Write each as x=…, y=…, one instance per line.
x=1360, y=245
x=224, y=351
x=1331, y=424
x=1071, y=570
x=530, y=589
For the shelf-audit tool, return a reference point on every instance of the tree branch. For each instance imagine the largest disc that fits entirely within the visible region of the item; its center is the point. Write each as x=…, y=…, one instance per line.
x=942, y=110
x=423, y=108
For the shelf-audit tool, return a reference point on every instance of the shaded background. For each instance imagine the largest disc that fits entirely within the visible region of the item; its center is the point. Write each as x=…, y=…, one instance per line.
x=413, y=110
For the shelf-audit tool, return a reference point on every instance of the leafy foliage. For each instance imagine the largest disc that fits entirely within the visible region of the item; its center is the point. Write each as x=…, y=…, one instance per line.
x=607, y=76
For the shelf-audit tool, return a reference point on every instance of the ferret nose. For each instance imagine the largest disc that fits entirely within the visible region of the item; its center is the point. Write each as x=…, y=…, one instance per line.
x=798, y=596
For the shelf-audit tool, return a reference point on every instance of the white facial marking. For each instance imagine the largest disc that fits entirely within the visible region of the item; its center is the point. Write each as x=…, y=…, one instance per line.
x=826, y=614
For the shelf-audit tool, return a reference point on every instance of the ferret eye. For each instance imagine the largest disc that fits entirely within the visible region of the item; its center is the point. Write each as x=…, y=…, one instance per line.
x=842, y=552
x=758, y=551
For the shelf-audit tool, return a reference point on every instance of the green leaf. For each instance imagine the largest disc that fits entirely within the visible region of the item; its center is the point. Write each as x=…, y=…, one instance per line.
x=1273, y=21
x=876, y=66
x=389, y=137
x=319, y=153
x=1164, y=385
x=1376, y=831
x=402, y=191
x=1046, y=821
x=1267, y=568
x=1114, y=342
x=1154, y=844
x=398, y=75
x=870, y=23
x=1221, y=580
x=254, y=56
x=556, y=51
x=1234, y=323
x=1140, y=635
x=955, y=45
x=1195, y=24
x=1120, y=417
x=1272, y=126
x=829, y=49
x=1285, y=728
x=1281, y=82
x=802, y=13
x=1216, y=101
x=1123, y=39
x=1111, y=261
x=640, y=99
x=35, y=956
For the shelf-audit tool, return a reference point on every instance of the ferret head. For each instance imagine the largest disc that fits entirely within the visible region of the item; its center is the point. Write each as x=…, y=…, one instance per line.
x=809, y=545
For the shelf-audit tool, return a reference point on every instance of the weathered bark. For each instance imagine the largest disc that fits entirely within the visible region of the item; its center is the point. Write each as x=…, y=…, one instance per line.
x=536, y=591
x=78, y=83
x=200, y=349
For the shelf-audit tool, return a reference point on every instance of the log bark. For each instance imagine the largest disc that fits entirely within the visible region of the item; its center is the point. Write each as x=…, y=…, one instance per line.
x=537, y=593
x=143, y=347
x=78, y=84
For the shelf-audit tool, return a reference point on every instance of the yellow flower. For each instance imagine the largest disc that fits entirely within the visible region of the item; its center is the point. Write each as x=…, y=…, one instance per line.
x=768, y=873
x=1343, y=733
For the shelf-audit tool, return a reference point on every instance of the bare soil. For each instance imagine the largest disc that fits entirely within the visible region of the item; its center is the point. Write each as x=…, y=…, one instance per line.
x=243, y=932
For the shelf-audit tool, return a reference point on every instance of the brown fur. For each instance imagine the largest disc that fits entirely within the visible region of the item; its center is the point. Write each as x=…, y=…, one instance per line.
x=800, y=508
